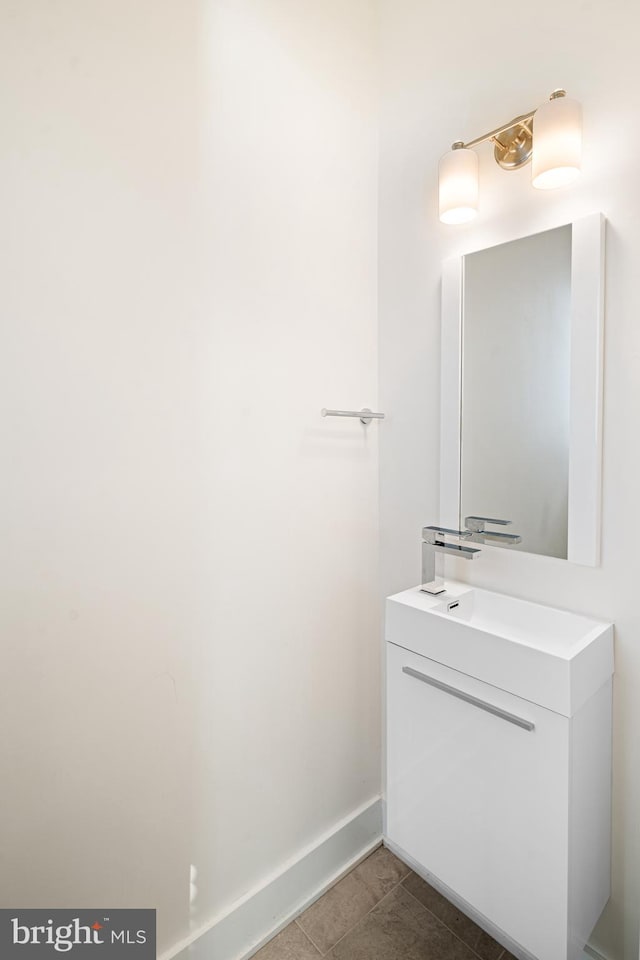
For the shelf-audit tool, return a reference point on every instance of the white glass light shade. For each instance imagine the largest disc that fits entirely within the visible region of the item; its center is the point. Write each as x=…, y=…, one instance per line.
x=557, y=143
x=458, y=179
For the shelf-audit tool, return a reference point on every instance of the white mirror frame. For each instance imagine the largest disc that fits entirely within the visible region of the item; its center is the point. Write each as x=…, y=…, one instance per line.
x=585, y=410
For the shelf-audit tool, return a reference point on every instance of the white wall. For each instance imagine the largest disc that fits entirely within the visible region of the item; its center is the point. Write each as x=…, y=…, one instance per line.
x=187, y=275
x=448, y=77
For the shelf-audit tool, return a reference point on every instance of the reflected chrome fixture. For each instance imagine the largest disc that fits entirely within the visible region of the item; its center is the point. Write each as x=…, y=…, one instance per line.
x=475, y=525
x=551, y=137
x=365, y=415
x=434, y=541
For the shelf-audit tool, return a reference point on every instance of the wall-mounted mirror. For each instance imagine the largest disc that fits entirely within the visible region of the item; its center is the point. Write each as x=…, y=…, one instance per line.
x=522, y=388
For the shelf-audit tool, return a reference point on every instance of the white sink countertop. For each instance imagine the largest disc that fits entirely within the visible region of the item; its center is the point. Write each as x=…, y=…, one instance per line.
x=552, y=657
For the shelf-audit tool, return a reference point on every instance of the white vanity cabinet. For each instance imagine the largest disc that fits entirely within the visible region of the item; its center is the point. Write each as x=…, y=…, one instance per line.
x=501, y=803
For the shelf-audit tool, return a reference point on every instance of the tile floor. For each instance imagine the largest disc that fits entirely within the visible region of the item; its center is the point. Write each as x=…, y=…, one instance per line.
x=382, y=911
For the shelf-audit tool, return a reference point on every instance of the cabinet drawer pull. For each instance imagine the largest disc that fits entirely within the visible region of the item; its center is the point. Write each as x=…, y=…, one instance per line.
x=461, y=695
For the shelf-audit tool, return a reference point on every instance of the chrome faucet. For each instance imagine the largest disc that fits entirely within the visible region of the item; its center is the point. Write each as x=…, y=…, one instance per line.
x=433, y=542
x=477, y=532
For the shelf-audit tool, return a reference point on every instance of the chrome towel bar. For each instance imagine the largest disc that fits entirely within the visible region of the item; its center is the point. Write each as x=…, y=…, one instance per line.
x=365, y=415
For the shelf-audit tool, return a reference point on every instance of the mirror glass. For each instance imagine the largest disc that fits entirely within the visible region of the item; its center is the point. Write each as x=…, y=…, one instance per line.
x=515, y=388
x=521, y=390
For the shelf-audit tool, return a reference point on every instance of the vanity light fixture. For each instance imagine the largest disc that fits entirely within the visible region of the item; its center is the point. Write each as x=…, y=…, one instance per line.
x=551, y=137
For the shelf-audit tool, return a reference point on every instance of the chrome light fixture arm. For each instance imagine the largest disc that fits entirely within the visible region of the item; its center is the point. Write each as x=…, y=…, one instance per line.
x=513, y=142
x=523, y=121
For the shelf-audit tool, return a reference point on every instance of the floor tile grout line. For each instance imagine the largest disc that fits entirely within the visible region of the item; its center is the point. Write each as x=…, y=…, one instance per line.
x=395, y=886
x=447, y=927
x=304, y=933
x=399, y=883
x=364, y=916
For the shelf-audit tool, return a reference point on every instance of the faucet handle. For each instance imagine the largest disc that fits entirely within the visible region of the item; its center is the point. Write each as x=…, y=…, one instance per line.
x=428, y=533
x=476, y=524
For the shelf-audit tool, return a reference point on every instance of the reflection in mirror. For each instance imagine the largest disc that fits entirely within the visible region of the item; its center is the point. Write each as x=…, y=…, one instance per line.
x=515, y=404
x=521, y=389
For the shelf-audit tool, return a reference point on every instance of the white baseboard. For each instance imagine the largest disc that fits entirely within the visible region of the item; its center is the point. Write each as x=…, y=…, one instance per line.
x=250, y=922
x=590, y=953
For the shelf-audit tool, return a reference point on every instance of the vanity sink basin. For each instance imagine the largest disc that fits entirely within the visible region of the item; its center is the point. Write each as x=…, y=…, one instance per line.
x=551, y=657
